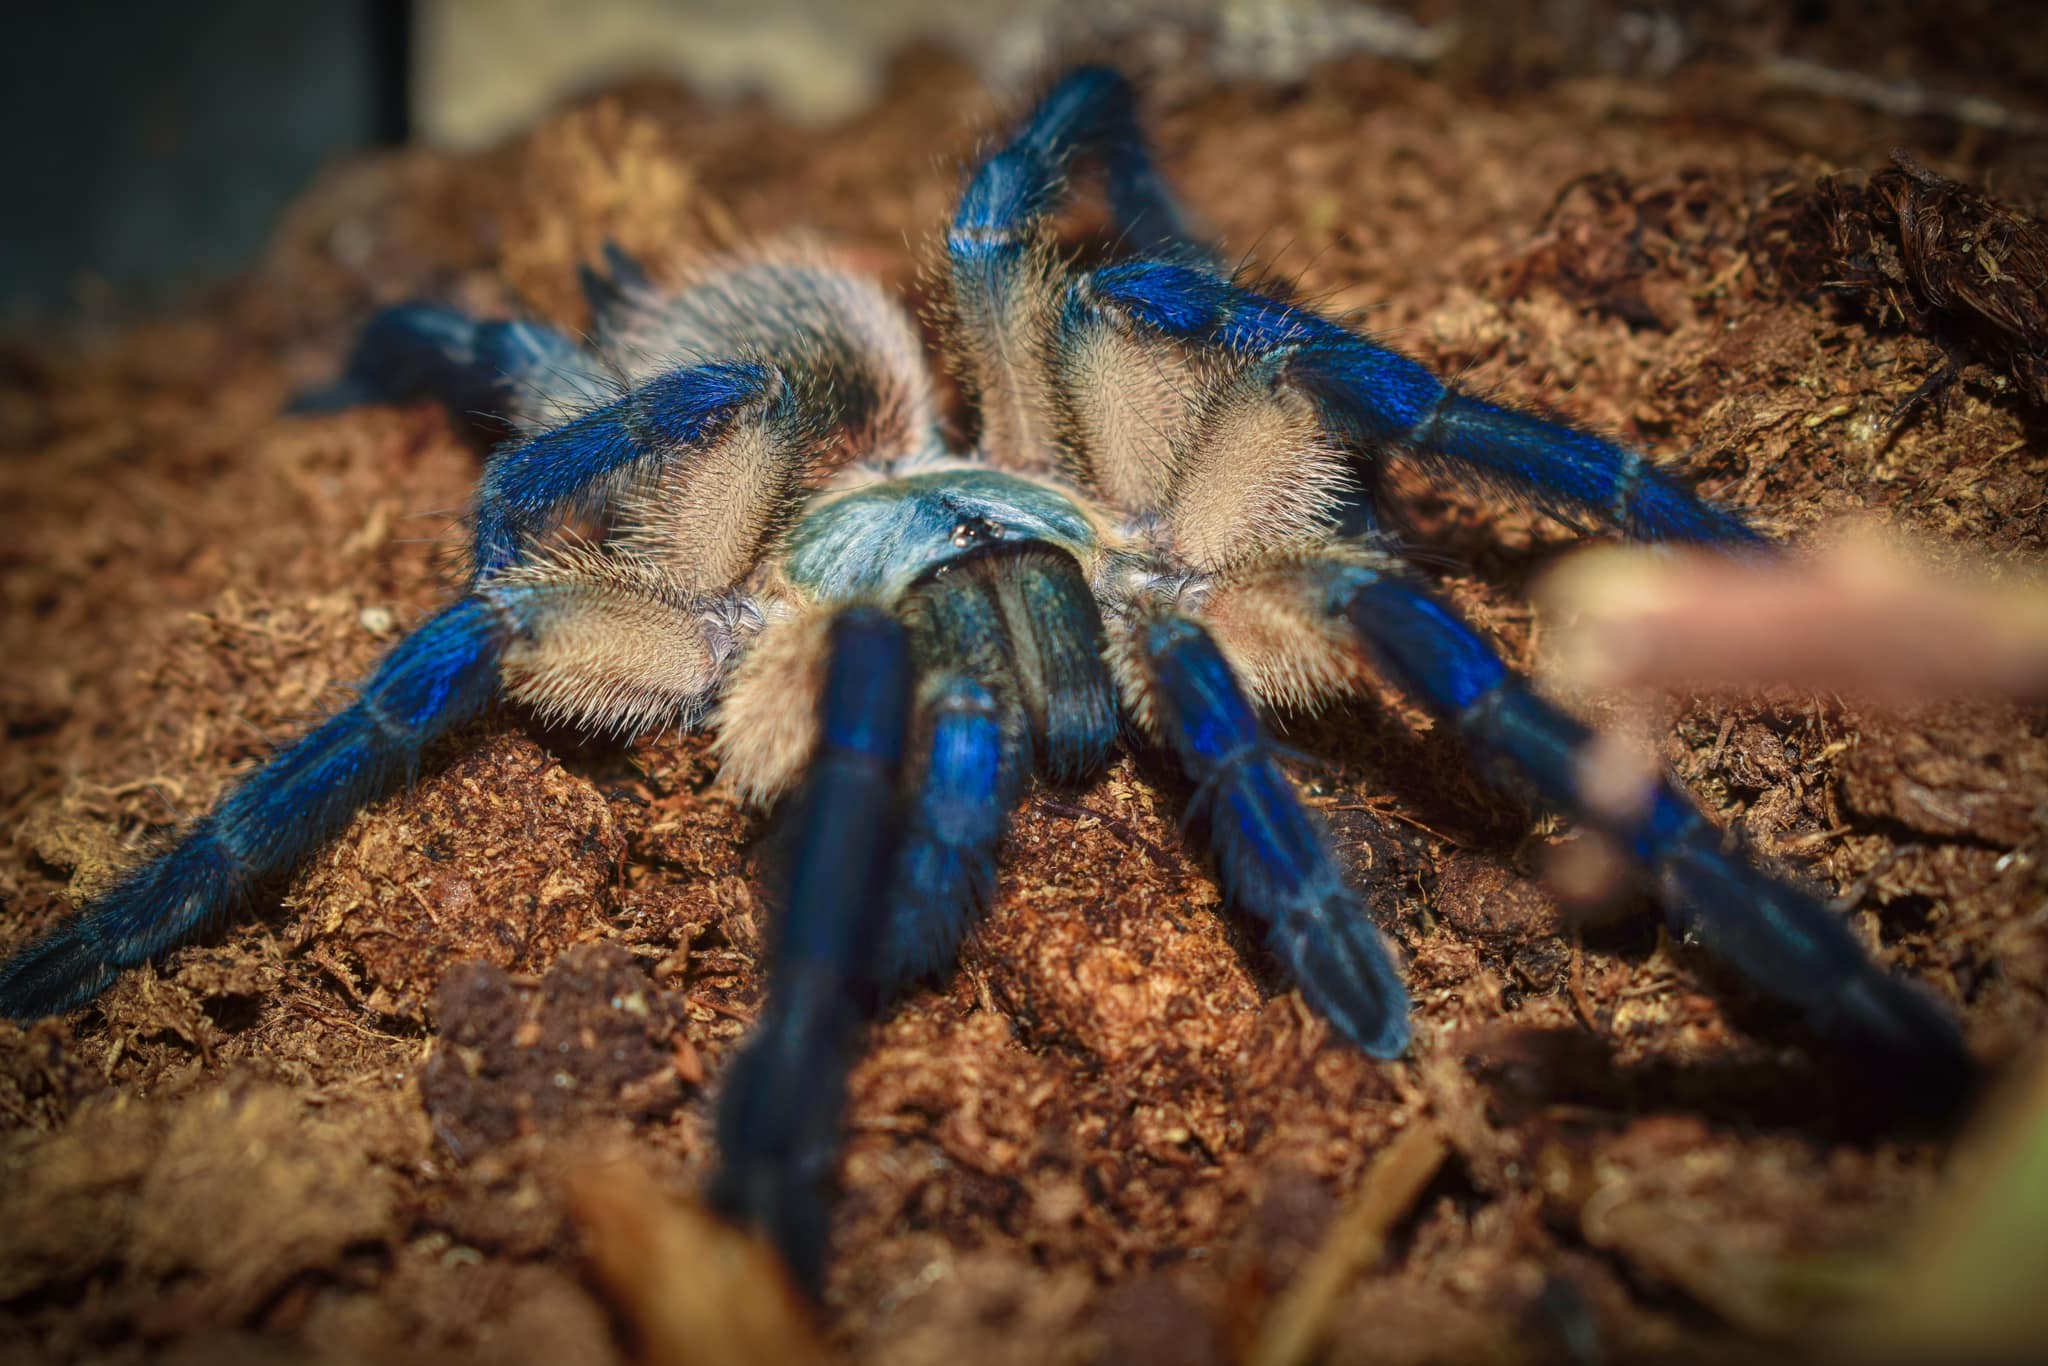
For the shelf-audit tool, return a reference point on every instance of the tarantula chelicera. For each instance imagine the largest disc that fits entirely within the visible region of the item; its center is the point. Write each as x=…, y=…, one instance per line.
x=736, y=508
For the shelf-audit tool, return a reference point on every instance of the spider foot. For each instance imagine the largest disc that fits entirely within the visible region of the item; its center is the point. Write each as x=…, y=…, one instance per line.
x=1271, y=854
x=421, y=351
x=1783, y=941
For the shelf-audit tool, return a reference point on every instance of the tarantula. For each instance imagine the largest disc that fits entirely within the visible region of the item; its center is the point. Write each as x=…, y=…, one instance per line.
x=737, y=508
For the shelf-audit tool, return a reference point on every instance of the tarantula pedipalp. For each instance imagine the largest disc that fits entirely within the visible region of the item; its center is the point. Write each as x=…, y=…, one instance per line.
x=738, y=505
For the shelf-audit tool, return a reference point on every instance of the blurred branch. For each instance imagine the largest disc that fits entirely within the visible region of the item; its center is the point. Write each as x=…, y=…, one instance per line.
x=1865, y=616
x=1904, y=99
x=696, y=1291
x=1971, y=1285
x=1301, y=1321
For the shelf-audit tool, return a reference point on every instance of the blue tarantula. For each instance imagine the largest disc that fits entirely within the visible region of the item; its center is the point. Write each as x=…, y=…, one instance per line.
x=736, y=507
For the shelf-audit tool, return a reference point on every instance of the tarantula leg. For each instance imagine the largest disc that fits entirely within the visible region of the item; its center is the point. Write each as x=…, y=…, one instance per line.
x=1271, y=854
x=945, y=871
x=478, y=370
x=1091, y=111
x=579, y=465
x=438, y=677
x=780, y=1117
x=1374, y=397
x=1781, y=939
x=611, y=644
x=617, y=292
x=999, y=250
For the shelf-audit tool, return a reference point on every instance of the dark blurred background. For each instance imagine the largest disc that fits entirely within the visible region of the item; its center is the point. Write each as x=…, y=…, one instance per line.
x=154, y=145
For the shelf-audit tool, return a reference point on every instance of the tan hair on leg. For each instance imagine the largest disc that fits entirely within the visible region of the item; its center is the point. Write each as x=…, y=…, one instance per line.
x=705, y=519
x=1258, y=472
x=1005, y=360
x=1271, y=623
x=613, y=646
x=768, y=721
x=850, y=350
x=1124, y=405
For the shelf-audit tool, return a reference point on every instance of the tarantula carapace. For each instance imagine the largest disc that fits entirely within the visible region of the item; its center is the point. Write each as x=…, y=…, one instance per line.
x=736, y=508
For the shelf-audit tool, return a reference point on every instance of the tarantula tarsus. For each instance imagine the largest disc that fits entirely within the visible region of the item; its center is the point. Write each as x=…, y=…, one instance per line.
x=738, y=507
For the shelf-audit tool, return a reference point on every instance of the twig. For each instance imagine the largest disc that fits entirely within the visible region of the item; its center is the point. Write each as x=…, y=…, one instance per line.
x=1901, y=98
x=697, y=1292
x=1300, y=1322
x=1575, y=983
x=1402, y=816
x=1110, y=823
x=730, y=1012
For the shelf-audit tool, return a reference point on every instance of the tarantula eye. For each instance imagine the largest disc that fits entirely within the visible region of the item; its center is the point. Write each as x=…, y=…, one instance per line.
x=975, y=530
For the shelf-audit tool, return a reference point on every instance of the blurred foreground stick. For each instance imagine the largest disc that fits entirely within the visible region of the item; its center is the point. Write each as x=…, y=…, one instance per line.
x=1302, y=1320
x=1969, y=1284
x=1864, y=616
x=696, y=1291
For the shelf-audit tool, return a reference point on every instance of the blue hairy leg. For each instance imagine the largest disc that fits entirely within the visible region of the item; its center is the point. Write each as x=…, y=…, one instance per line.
x=426, y=351
x=617, y=290
x=1373, y=397
x=1090, y=112
x=780, y=1117
x=997, y=247
x=1789, y=945
x=438, y=677
x=527, y=487
x=476, y=369
x=946, y=869
x=1271, y=855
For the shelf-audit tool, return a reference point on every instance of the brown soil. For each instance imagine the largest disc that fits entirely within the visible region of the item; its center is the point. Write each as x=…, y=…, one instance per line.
x=347, y=1128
